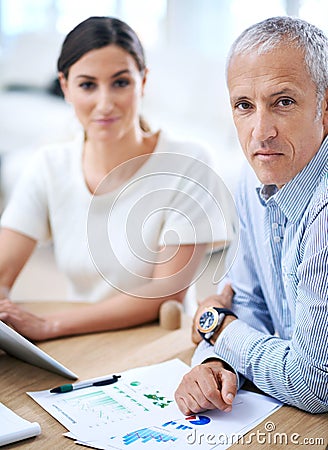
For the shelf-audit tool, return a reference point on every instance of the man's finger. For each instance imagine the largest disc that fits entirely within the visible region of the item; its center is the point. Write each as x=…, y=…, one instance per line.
x=229, y=386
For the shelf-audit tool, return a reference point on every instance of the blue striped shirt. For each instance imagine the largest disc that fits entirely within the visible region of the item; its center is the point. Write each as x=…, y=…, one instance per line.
x=280, y=340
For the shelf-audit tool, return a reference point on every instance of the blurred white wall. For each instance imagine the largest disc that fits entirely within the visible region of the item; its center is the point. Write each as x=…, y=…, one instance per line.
x=186, y=42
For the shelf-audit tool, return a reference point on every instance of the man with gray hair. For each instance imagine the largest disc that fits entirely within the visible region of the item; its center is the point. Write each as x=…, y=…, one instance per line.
x=275, y=332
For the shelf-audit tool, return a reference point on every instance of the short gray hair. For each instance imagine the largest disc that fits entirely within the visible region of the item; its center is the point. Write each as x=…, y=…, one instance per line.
x=270, y=33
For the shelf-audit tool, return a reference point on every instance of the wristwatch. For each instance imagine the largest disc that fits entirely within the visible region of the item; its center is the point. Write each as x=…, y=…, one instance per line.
x=211, y=320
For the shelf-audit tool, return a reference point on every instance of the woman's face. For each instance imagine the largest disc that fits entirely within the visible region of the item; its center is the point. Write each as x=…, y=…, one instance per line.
x=105, y=88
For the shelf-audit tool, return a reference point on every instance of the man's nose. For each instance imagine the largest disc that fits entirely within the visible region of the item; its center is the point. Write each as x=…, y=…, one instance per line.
x=263, y=127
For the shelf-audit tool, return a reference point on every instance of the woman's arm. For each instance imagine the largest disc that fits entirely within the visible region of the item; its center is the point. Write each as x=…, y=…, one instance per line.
x=15, y=249
x=171, y=279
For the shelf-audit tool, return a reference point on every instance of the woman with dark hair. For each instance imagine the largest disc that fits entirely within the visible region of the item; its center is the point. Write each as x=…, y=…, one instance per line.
x=130, y=212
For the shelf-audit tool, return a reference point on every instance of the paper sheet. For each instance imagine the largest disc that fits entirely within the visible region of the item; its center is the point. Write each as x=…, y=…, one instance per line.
x=14, y=428
x=139, y=412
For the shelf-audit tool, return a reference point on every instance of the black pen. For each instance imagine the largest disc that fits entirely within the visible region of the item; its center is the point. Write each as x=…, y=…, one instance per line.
x=84, y=384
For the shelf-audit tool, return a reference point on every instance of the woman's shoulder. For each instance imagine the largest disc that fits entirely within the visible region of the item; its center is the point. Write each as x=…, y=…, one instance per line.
x=180, y=145
x=59, y=153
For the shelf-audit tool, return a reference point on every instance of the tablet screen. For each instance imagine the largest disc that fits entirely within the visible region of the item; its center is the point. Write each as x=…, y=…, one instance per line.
x=16, y=345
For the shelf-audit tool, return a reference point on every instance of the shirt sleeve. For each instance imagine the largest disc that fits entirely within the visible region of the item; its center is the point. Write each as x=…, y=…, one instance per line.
x=27, y=209
x=294, y=371
x=205, y=351
x=248, y=303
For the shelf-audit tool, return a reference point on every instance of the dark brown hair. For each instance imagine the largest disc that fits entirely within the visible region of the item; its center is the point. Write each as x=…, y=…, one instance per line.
x=98, y=32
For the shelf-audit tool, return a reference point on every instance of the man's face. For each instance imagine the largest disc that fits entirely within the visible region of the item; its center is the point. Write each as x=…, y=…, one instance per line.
x=274, y=107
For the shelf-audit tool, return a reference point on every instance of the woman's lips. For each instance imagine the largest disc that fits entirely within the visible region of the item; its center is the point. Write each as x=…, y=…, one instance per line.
x=106, y=120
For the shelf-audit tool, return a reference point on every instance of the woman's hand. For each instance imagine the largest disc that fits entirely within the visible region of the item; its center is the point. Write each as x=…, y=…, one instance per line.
x=223, y=300
x=206, y=386
x=29, y=325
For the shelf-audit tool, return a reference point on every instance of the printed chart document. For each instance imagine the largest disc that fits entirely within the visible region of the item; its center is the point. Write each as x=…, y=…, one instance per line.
x=14, y=428
x=139, y=412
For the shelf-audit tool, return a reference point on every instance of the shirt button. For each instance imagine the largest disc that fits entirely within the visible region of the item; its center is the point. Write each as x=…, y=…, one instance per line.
x=276, y=239
x=274, y=226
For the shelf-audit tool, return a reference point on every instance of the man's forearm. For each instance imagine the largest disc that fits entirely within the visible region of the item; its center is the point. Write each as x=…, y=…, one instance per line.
x=275, y=366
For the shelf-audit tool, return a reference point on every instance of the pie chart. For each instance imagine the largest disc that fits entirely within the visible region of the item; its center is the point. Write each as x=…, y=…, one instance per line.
x=198, y=420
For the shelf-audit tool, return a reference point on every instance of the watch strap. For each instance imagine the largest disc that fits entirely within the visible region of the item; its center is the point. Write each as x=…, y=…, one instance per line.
x=225, y=311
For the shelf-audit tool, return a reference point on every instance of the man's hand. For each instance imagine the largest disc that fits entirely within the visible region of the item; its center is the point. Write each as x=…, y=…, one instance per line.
x=206, y=386
x=222, y=300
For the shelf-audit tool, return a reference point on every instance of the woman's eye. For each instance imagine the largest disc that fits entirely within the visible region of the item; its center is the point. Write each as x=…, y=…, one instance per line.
x=121, y=82
x=87, y=85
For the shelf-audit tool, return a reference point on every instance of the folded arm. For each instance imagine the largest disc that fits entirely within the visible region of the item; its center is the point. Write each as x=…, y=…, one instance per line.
x=171, y=279
x=293, y=369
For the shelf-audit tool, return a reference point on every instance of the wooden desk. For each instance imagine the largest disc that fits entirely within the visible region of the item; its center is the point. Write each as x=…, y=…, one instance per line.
x=111, y=352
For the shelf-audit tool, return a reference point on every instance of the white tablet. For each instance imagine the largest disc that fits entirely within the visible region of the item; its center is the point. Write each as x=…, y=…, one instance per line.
x=16, y=345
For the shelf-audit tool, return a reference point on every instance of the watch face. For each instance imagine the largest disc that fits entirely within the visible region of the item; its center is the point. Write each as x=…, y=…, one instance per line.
x=208, y=320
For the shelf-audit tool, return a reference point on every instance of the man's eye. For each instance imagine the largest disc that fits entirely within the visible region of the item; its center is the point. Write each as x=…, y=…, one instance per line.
x=121, y=82
x=285, y=102
x=243, y=106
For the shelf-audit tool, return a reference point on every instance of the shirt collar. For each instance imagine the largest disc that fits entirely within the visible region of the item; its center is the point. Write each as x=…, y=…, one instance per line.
x=295, y=195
